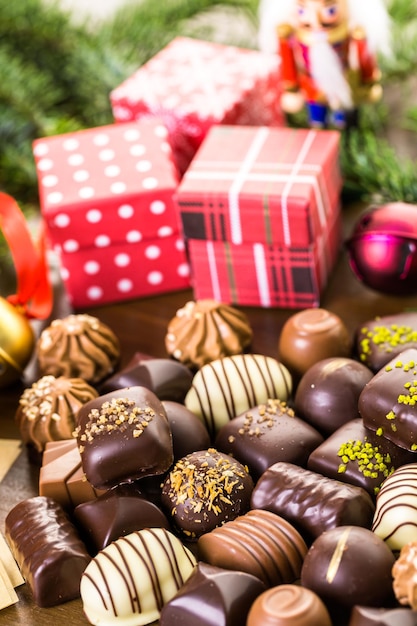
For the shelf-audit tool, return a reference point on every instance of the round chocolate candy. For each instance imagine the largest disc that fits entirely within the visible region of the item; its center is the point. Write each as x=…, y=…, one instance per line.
x=204, y=490
x=188, y=431
x=328, y=393
x=310, y=336
x=123, y=436
x=349, y=565
x=288, y=605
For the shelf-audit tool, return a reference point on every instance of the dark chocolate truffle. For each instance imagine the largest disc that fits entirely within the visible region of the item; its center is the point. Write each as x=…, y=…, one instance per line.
x=123, y=436
x=213, y=596
x=78, y=346
x=117, y=513
x=204, y=490
x=379, y=340
x=266, y=434
x=310, y=336
x=188, y=431
x=288, y=605
x=327, y=395
x=259, y=543
x=349, y=565
x=310, y=501
x=388, y=403
x=167, y=379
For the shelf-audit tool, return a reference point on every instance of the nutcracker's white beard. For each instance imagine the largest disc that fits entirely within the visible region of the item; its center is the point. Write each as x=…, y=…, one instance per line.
x=327, y=72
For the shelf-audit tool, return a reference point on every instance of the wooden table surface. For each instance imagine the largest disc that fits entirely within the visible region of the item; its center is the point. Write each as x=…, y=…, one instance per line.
x=140, y=326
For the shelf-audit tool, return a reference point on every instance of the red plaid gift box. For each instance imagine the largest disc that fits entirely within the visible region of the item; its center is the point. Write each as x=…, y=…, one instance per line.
x=193, y=84
x=279, y=186
x=258, y=274
x=106, y=195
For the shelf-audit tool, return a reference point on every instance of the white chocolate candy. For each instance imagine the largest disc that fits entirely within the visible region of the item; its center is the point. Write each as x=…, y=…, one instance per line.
x=227, y=387
x=395, y=519
x=129, y=581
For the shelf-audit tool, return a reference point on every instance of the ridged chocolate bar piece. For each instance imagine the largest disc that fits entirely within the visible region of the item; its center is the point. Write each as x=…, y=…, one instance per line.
x=48, y=550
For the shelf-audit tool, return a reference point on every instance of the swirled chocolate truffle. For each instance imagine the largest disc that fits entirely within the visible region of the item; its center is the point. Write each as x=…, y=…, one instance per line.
x=48, y=409
x=134, y=577
x=388, y=403
x=213, y=595
x=205, y=330
x=310, y=336
x=395, y=518
x=288, y=605
x=78, y=346
x=328, y=393
x=349, y=565
x=228, y=387
x=266, y=434
x=259, y=543
x=379, y=340
x=404, y=572
x=123, y=436
x=204, y=490
x=311, y=502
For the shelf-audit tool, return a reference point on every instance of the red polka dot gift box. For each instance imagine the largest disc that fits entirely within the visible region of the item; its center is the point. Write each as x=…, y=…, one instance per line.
x=260, y=211
x=106, y=195
x=193, y=84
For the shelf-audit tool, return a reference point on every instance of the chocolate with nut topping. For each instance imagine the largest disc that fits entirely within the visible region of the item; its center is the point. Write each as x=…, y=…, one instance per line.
x=123, y=436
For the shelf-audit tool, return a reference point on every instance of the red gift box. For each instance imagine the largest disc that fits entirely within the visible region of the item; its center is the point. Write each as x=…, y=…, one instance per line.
x=257, y=274
x=193, y=84
x=106, y=195
x=279, y=186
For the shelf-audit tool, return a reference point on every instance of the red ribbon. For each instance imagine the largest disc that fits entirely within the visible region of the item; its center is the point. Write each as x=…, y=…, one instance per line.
x=34, y=292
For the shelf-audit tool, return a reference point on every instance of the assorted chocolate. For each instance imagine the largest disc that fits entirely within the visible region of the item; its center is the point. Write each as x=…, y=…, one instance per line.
x=205, y=330
x=266, y=434
x=220, y=486
x=213, y=596
x=78, y=346
x=311, y=502
x=123, y=436
x=48, y=550
x=227, y=387
x=134, y=577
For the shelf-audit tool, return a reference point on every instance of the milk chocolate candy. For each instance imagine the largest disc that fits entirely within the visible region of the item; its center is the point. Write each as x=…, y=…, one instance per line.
x=288, y=605
x=310, y=502
x=259, y=543
x=310, y=336
x=62, y=477
x=395, y=519
x=119, y=512
x=227, y=387
x=122, y=436
x=379, y=340
x=355, y=455
x=168, y=379
x=268, y=433
x=388, y=403
x=327, y=395
x=404, y=573
x=213, y=596
x=134, y=577
x=349, y=565
x=368, y=616
x=48, y=550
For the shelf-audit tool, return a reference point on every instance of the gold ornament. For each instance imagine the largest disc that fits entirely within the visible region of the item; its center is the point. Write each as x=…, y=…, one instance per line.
x=17, y=343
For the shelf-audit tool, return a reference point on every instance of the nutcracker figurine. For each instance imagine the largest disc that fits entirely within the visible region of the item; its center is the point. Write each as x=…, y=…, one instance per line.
x=328, y=51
